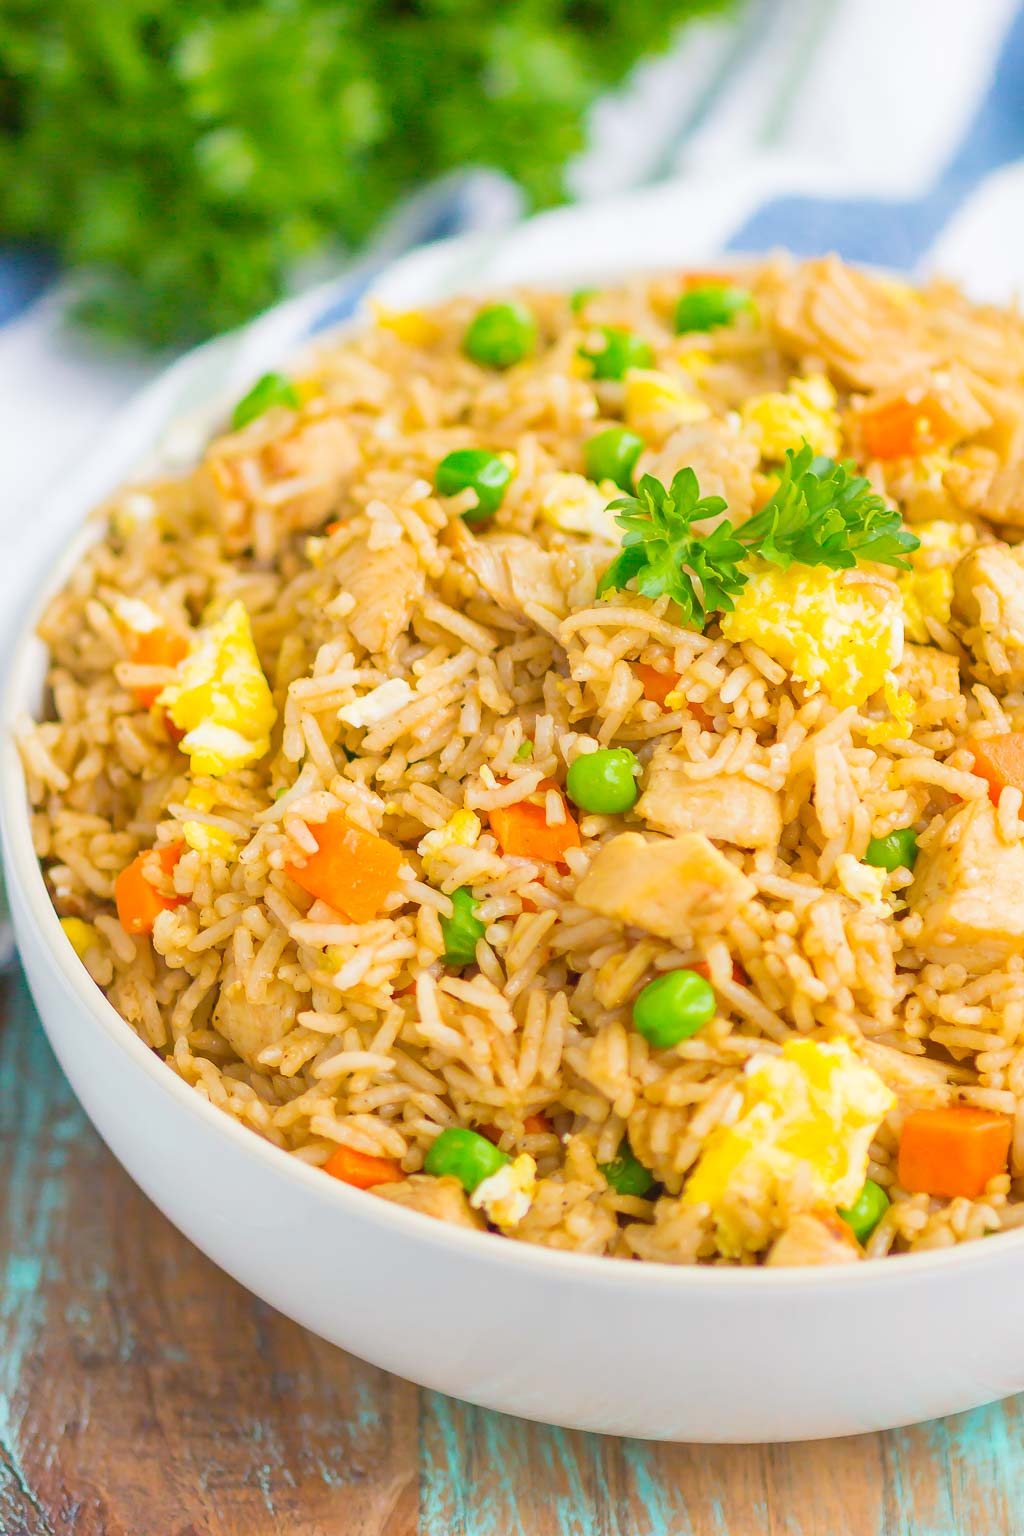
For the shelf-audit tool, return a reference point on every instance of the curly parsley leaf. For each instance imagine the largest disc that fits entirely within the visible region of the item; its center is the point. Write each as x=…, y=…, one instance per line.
x=823, y=514
x=820, y=514
x=663, y=554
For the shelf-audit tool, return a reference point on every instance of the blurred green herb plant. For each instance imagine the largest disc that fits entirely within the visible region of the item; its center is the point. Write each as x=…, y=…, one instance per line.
x=189, y=155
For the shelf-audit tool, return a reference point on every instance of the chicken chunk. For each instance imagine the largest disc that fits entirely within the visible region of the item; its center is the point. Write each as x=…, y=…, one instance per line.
x=532, y=584
x=307, y=471
x=671, y=886
x=988, y=613
x=815, y=1237
x=445, y=1199
x=932, y=678
x=386, y=584
x=723, y=461
x=994, y=493
x=969, y=891
x=727, y=809
x=250, y=1028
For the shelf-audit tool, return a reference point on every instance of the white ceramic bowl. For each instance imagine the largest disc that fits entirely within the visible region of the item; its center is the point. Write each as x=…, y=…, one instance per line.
x=637, y=1349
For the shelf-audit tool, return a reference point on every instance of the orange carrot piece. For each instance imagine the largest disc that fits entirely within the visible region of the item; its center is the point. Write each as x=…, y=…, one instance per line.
x=333, y=527
x=739, y=975
x=953, y=1151
x=156, y=648
x=361, y=1170
x=139, y=903
x=536, y=1125
x=352, y=871
x=523, y=831
x=901, y=428
x=1000, y=761
x=657, y=685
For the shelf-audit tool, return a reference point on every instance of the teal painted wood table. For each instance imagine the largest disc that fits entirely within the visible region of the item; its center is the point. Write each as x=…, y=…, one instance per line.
x=143, y=1393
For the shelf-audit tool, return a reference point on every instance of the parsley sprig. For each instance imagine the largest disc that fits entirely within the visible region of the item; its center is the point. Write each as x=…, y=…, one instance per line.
x=821, y=513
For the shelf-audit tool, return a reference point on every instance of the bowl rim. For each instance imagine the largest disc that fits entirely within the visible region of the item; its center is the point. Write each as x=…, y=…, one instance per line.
x=57, y=561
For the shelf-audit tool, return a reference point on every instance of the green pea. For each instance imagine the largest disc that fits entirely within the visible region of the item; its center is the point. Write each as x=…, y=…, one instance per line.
x=475, y=469
x=866, y=1211
x=604, y=782
x=897, y=851
x=524, y=753
x=673, y=1007
x=709, y=306
x=626, y=1173
x=579, y=300
x=612, y=455
x=622, y=349
x=462, y=929
x=272, y=389
x=500, y=335
x=464, y=1155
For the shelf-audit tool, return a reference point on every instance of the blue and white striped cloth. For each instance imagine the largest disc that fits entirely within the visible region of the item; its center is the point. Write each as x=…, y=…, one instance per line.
x=891, y=131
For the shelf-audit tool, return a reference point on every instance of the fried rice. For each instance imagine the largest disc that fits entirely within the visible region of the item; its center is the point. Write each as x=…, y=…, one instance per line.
x=421, y=673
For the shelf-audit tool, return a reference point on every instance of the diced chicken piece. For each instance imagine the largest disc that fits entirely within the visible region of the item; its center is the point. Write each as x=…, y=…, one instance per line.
x=530, y=583
x=994, y=493
x=723, y=461
x=969, y=891
x=932, y=678
x=320, y=457
x=445, y=1199
x=988, y=613
x=859, y=325
x=670, y=886
x=727, y=809
x=386, y=584
x=250, y=1028
x=815, y=1237
x=313, y=463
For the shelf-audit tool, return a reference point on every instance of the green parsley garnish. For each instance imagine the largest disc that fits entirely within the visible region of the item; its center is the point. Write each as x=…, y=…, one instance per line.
x=821, y=513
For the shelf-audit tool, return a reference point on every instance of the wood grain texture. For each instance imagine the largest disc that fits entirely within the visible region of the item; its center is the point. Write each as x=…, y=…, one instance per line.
x=143, y=1393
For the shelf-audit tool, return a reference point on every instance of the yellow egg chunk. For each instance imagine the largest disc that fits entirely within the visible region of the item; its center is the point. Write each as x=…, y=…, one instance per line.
x=927, y=589
x=460, y=831
x=508, y=1194
x=221, y=699
x=409, y=325
x=574, y=504
x=805, y=411
x=836, y=636
x=802, y=1137
x=80, y=935
x=654, y=403
x=214, y=842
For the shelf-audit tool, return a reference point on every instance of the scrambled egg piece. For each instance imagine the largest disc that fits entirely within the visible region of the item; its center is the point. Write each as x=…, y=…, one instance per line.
x=221, y=699
x=802, y=1138
x=508, y=1194
x=806, y=410
x=655, y=402
x=838, y=637
x=379, y=704
x=694, y=361
x=461, y=831
x=137, y=617
x=927, y=589
x=900, y=723
x=863, y=883
x=576, y=505
x=80, y=935
x=409, y=325
x=215, y=842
